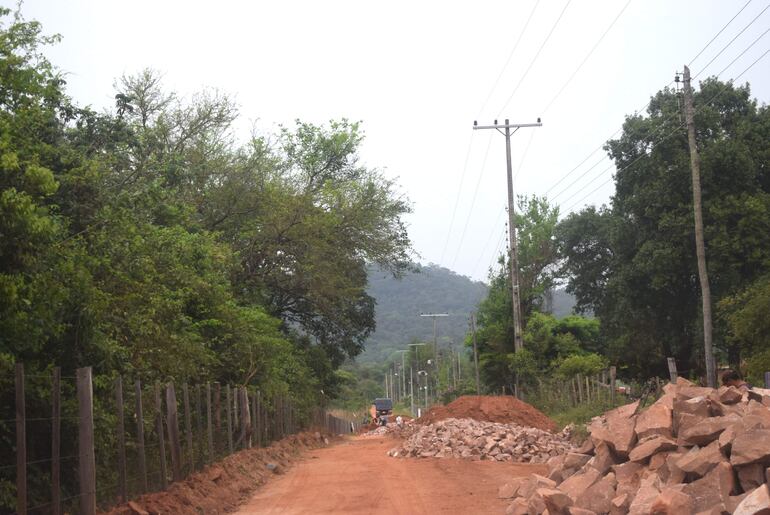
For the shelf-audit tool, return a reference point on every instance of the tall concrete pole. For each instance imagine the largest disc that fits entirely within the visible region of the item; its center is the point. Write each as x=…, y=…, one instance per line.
x=700, y=246
x=518, y=342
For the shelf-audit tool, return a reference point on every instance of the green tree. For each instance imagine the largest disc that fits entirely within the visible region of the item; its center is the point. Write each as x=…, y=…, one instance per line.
x=633, y=263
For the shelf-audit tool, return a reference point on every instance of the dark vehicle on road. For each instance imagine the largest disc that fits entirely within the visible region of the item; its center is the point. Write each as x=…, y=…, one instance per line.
x=381, y=410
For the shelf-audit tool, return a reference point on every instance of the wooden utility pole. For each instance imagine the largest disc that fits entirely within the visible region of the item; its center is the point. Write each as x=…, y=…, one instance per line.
x=475, y=353
x=518, y=342
x=700, y=246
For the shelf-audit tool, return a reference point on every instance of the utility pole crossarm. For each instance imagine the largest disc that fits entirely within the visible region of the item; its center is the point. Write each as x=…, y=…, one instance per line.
x=518, y=342
x=506, y=125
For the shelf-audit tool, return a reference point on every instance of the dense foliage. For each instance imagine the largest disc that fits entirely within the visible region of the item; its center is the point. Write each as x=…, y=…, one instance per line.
x=633, y=262
x=146, y=242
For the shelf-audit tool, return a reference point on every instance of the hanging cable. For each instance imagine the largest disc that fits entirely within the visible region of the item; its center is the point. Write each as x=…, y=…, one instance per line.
x=526, y=72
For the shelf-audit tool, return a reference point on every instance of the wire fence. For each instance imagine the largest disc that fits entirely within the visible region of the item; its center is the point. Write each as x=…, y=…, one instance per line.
x=72, y=444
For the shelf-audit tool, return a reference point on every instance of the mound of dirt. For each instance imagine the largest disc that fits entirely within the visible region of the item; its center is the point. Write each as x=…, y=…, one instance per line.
x=504, y=409
x=221, y=486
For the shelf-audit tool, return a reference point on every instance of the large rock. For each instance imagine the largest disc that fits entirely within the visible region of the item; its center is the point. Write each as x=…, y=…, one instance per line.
x=555, y=500
x=575, y=460
x=510, y=490
x=519, y=506
x=751, y=476
x=620, y=504
x=603, y=458
x=580, y=482
x=698, y=407
x=628, y=476
x=700, y=461
x=621, y=422
x=656, y=420
x=708, y=429
x=713, y=489
x=757, y=416
x=598, y=497
x=756, y=503
x=672, y=501
x=647, y=494
x=651, y=446
x=753, y=446
x=729, y=395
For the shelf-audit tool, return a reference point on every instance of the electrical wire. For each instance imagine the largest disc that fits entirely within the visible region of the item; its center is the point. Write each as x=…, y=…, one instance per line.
x=488, y=241
x=473, y=201
x=585, y=59
x=729, y=43
x=534, y=59
x=508, y=61
x=704, y=105
x=744, y=51
x=457, y=197
x=718, y=33
x=524, y=155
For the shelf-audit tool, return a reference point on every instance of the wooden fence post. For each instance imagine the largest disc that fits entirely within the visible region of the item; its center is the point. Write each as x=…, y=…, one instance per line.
x=259, y=418
x=161, y=439
x=56, y=442
x=613, y=371
x=243, y=400
x=199, y=420
x=140, y=435
x=21, y=442
x=172, y=424
x=122, y=486
x=87, y=460
x=672, y=369
x=209, y=422
x=254, y=426
x=229, y=415
x=218, y=414
x=188, y=425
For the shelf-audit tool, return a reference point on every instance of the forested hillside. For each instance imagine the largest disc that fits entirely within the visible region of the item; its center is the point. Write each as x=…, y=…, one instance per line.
x=429, y=289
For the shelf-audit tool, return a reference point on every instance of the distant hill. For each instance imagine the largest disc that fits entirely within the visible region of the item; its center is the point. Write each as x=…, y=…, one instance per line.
x=432, y=289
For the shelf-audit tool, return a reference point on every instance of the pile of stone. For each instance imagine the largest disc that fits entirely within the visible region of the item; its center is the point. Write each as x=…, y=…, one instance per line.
x=695, y=450
x=392, y=429
x=478, y=440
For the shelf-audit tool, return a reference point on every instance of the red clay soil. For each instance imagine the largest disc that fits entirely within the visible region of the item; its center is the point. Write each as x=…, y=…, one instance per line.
x=358, y=477
x=221, y=487
x=503, y=409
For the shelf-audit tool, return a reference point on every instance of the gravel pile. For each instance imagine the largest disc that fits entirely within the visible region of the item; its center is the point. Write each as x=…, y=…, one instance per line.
x=479, y=440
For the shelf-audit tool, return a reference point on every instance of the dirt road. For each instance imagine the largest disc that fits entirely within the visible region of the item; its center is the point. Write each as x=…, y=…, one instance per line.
x=358, y=477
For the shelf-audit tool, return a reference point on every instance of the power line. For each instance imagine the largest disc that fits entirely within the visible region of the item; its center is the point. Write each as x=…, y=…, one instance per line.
x=732, y=40
x=488, y=241
x=526, y=72
x=457, y=198
x=508, y=61
x=473, y=201
x=648, y=102
x=744, y=51
x=703, y=105
x=585, y=59
x=580, y=177
x=524, y=155
x=718, y=33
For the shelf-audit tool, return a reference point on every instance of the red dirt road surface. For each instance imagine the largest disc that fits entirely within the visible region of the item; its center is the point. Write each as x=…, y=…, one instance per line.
x=358, y=477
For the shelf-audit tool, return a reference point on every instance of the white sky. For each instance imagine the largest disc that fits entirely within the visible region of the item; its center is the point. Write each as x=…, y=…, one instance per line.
x=417, y=74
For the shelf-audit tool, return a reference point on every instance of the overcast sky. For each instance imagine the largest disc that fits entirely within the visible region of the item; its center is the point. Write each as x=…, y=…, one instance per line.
x=417, y=74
